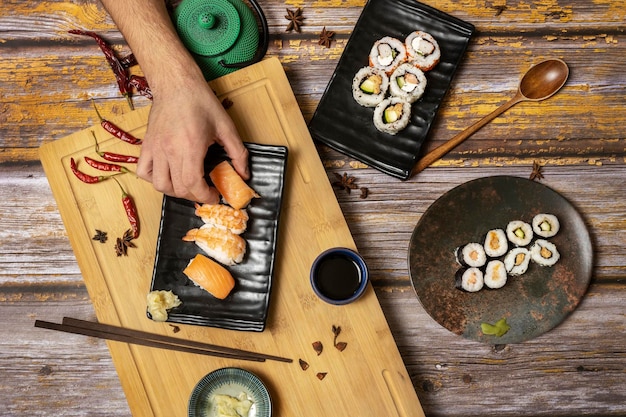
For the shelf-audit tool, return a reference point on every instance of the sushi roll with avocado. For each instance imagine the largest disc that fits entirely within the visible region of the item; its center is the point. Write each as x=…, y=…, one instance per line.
x=516, y=261
x=387, y=54
x=544, y=253
x=471, y=254
x=519, y=233
x=469, y=279
x=369, y=86
x=422, y=50
x=496, y=243
x=392, y=115
x=407, y=82
x=546, y=225
x=495, y=274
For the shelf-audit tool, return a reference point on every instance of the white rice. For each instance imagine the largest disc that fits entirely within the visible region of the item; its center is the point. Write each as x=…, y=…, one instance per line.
x=516, y=261
x=544, y=253
x=363, y=98
x=496, y=243
x=398, y=125
x=425, y=62
x=495, y=274
x=416, y=91
x=470, y=279
x=546, y=225
x=473, y=254
x=399, y=50
x=519, y=233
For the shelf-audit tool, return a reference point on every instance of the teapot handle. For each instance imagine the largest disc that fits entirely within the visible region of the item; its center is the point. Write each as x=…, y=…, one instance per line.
x=262, y=49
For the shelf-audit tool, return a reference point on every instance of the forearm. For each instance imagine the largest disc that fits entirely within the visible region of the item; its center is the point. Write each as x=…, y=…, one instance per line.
x=149, y=32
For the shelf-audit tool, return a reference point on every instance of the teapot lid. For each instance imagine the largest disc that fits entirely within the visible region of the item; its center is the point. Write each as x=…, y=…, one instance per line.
x=208, y=27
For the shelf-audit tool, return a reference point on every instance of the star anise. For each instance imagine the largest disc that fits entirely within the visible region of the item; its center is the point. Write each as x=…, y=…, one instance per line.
x=123, y=243
x=326, y=37
x=344, y=182
x=295, y=19
x=536, y=174
x=100, y=236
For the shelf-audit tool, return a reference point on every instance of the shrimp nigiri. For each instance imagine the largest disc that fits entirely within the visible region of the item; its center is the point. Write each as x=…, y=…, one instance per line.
x=223, y=216
x=210, y=275
x=220, y=244
x=233, y=188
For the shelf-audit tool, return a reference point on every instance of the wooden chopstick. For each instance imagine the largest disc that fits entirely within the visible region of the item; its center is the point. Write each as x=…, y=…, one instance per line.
x=138, y=337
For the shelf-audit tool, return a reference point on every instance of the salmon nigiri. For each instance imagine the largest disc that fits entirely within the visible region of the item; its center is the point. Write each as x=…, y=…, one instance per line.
x=210, y=275
x=233, y=188
x=220, y=244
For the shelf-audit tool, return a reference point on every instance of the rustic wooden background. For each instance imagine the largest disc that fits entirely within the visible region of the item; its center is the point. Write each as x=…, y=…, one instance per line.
x=47, y=78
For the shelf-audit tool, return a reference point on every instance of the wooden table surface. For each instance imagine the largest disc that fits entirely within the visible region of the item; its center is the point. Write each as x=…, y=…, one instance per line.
x=578, y=368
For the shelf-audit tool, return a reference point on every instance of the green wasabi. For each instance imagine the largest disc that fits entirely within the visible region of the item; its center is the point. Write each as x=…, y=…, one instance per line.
x=499, y=329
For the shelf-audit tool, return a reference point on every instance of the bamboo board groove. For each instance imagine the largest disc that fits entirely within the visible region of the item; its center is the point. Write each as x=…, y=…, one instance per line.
x=47, y=79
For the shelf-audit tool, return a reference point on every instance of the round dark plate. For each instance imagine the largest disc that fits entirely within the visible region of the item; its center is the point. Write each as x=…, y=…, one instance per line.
x=532, y=303
x=229, y=381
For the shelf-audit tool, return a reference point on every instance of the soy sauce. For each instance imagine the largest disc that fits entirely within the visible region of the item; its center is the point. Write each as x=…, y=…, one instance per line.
x=338, y=277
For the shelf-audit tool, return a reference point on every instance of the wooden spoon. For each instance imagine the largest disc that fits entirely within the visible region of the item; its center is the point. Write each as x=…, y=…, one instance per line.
x=539, y=83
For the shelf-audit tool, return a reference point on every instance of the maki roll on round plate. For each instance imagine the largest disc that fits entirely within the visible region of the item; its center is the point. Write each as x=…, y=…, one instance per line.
x=422, y=50
x=516, y=261
x=407, y=82
x=471, y=254
x=387, y=54
x=470, y=279
x=546, y=225
x=544, y=253
x=392, y=115
x=519, y=233
x=496, y=243
x=369, y=86
x=495, y=275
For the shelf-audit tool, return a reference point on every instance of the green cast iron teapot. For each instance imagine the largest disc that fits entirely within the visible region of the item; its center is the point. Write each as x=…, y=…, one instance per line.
x=222, y=35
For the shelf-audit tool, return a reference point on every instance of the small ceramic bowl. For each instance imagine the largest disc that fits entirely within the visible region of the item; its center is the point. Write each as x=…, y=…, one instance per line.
x=339, y=276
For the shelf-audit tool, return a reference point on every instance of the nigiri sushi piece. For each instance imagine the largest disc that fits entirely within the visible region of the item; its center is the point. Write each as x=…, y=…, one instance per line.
x=223, y=217
x=220, y=244
x=210, y=275
x=231, y=186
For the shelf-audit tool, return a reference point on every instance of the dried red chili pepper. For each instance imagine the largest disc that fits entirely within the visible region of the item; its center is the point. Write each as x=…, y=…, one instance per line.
x=121, y=76
x=131, y=211
x=117, y=131
x=105, y=166
x=128, y=60
x=89, y=179
x=141, y=85
x=114, y=157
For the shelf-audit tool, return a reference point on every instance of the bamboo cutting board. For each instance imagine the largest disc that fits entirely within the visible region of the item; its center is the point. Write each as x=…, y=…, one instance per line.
x=367, y=379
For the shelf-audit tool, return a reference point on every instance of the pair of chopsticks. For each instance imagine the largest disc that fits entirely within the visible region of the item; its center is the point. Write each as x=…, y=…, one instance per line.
x=138, y=337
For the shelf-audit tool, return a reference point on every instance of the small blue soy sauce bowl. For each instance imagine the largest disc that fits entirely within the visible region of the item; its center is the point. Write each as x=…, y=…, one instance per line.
x=339, y=276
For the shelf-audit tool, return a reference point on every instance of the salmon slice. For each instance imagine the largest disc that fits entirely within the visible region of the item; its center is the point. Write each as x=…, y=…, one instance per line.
x=210, y=275
x=223, y=216
x=233, y=188
x=220, y=244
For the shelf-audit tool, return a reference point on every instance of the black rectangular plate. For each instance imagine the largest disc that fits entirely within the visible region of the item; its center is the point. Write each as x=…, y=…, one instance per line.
x=247, y=305
x=341, y=123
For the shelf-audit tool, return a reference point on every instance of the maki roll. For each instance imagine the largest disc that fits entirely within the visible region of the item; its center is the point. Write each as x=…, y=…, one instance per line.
x=369, y=86
x=470, y=279
x=407, y=82
x=516, y=261
x=392, y=115
x=472, y=254
x=495, y=275
x=422, y=50
x=544, y=253
x=387, y=53
x=519, y=233
x=546, y=225
x=496, y=244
